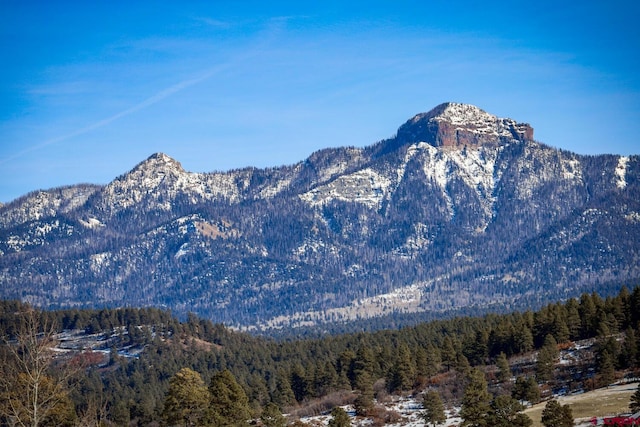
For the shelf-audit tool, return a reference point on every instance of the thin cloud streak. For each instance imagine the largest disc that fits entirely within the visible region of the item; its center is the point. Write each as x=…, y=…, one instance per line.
x=158, y=97
x=272, y=30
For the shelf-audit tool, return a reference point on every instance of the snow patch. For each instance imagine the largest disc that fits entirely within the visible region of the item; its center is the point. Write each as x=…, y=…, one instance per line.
x=621, y=172
x=476, y=168
x=309, y=246
x=474, y=165
x=182, y=251
x=436, y=168
x=571, y=169
x=91, y=222
x=404, y=299
x=37, y=235
x=409, y=409
x=419, y=239
x=340, y=166
x=273, y=190
x=99, y=261
x=366, y=186
x=633, y=217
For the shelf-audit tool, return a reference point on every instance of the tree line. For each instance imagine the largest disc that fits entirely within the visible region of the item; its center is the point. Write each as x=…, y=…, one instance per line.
x=454, y=358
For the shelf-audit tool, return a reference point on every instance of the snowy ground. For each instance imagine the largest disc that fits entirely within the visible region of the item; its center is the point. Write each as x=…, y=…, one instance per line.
x=409, y=410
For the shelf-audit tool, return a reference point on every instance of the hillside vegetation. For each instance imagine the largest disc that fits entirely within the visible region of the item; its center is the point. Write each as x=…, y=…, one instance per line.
x=117, y=369
x=461, y=212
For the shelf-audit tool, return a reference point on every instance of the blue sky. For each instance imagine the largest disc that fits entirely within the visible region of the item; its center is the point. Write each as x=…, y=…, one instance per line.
x=90, y=89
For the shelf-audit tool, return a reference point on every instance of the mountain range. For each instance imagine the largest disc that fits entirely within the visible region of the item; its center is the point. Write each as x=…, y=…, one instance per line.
x=460, y=210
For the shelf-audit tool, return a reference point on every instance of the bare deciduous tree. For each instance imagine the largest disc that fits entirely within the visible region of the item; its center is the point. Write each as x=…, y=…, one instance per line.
x=31, y=391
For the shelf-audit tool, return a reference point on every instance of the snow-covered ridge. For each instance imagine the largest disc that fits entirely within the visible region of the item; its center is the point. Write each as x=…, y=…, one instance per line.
x=162, y=172
x=46, y=203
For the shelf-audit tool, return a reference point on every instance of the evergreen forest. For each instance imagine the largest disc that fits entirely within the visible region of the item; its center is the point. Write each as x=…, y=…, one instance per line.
x=145, y=367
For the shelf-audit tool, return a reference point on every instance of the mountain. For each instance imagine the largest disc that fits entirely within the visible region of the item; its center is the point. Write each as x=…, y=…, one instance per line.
x=460, y=210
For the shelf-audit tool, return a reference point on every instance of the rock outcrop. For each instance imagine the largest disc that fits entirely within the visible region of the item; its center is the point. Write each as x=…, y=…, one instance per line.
x=458, y=125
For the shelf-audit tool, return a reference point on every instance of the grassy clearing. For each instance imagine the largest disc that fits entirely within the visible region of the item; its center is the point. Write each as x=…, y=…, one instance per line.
x=598, y=403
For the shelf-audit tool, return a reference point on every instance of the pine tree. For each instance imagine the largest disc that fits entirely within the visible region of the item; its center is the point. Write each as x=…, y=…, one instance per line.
x=402, y=373
x=501, y=338
x=559, y=328
x=507, y=412
x=420, y=355
x=433, y=408
x=362, y=369
x=272, y=417
x=283, y=394
x=339, y=418
x=187, y=399
x=573, y=318
x=546, y=359
x=363, y=362
x=522, y=338
x=634, y=406
x=588, y=312
x=629, y=351
x=504, y=372
x=462, y=364
x=556, y=415
x=634, y=305
x=328, y=381
x=299, y=383
x=344, y=366
x=476, y=401
x=606, y=368
x=476, y=349
x=526, y=390
x=364, y=401
x=229, y=404
x=448, y=353
x=433, y=361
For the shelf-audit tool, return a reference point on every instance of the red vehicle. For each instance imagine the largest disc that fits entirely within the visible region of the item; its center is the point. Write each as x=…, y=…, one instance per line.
x=631, y=420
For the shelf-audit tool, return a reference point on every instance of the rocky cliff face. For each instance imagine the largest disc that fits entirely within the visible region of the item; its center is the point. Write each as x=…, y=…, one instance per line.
x=459, y=125
x=460, y=210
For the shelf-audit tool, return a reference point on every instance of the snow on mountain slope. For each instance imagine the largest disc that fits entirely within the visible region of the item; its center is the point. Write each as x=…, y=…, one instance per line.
x=460, y=209
x=45, y=203
x=161, y=178
x=621, y=172
x=365, y=186
x=475, y=166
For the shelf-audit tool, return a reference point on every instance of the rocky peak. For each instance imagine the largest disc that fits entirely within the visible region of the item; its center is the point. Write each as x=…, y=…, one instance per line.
x=151, y=172
x=144, y=180
x=159, y=162
x=456, y=125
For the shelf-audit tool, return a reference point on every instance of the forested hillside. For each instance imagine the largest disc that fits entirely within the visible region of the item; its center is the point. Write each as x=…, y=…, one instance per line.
x=134, y=366
x=459, y=212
